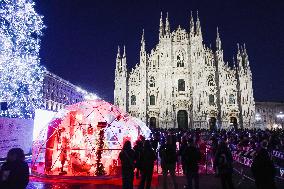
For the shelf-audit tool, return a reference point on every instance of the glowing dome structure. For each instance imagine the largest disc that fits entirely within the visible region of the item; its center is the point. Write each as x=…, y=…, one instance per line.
x=85, y=139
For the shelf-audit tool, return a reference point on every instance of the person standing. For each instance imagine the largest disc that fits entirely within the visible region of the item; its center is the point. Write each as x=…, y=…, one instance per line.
x=14, y=173
x=148, y=157
x=138, y=150
x=192, y=157
x=263, y=169
x=223, y=165
x=182, y=154
x=127, y=158
x=168, y=161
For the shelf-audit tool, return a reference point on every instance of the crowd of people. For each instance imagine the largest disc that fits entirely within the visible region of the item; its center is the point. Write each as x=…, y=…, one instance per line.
x=190, y=148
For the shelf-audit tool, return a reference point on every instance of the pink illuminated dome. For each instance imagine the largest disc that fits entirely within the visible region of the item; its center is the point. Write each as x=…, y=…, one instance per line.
x=82, y=136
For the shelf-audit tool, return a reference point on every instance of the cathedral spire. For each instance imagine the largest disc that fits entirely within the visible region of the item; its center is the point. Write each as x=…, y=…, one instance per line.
x=118, y=52
x=142, y=42
x=124, y=52
x=191, y=24
x=167, y=29
x=218, y=41
x=198, y=26
x=161, y=30
x=238, y=45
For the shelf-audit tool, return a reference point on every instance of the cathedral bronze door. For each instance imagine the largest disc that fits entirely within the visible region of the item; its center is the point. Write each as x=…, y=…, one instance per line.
x=212, y=123
x=153, y=123
x=182, y=119
x=234, y=122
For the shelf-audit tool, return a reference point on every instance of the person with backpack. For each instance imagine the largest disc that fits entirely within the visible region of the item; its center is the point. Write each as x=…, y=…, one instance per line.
x=127, y=158
x=168, y=157
x=148, y=157
x=192, y=157
x=223, y=165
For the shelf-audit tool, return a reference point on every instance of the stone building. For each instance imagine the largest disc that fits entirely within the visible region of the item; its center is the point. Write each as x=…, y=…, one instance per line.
x=58, y=92
x=181, y=83
x=269, y=115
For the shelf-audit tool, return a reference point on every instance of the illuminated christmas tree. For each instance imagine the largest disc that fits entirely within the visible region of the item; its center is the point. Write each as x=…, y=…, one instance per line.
x=21, y=75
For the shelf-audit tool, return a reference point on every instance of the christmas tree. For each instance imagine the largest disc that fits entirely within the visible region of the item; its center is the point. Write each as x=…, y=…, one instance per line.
x=21, y=75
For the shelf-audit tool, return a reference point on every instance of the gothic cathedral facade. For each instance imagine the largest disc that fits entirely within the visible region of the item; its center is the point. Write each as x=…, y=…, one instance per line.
x=182, y=83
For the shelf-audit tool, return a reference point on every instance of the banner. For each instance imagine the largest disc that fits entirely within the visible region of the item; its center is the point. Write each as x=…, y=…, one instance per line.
x=15, y=133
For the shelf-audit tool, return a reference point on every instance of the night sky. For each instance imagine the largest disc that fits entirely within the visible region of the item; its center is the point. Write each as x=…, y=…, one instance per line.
x=81, y=38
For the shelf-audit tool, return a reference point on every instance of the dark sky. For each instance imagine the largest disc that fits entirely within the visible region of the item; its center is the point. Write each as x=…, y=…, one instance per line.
x=81, y=38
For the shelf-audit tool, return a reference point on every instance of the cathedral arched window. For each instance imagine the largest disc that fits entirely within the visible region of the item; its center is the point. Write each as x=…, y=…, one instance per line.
x=211, y=99
x=231, y=99
x=210, y=80
x=180, y=59
x=181, y=85
x=152, y=82
x=133, y=100
x=152, y=100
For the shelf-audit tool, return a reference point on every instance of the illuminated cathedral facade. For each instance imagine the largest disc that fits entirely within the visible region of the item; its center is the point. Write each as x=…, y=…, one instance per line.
x=182, y=83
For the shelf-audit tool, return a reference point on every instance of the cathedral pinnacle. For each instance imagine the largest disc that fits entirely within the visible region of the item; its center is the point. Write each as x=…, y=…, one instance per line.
x=142, y=42
x=161, y=30
x=191, y=24
x=198, y=26
x=118, y=52
x=167, y=29
x=218, y=40
x=124, y=52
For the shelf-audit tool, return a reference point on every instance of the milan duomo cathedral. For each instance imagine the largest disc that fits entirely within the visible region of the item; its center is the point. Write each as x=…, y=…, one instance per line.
x=182, y=83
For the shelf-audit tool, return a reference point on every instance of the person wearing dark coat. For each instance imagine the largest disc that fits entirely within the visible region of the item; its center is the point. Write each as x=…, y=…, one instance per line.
x=14, y=173
x=223, y=165
x=263, y=170
x=127, y=158
x=192, y=157
x=168, y=157
x=138, y=150
x=148, y=157
x=182, y=152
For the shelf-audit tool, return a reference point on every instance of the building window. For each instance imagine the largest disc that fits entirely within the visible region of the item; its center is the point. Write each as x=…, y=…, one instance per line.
x=210, y=80
x=180, y=62
x=231, y=99
x=181, y=85
x=211, y=99
x=152, y=100
x=133, y=100
x=152, y=82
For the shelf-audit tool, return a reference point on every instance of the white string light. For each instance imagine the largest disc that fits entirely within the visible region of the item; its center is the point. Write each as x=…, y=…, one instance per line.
x=21, y=75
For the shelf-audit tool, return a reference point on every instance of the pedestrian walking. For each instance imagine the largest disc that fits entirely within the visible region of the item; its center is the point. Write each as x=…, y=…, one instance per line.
x=168, y=161
x=223, y=165
x=127, y=158
x=148, y=157
x=263, y=169
x=192, y=157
